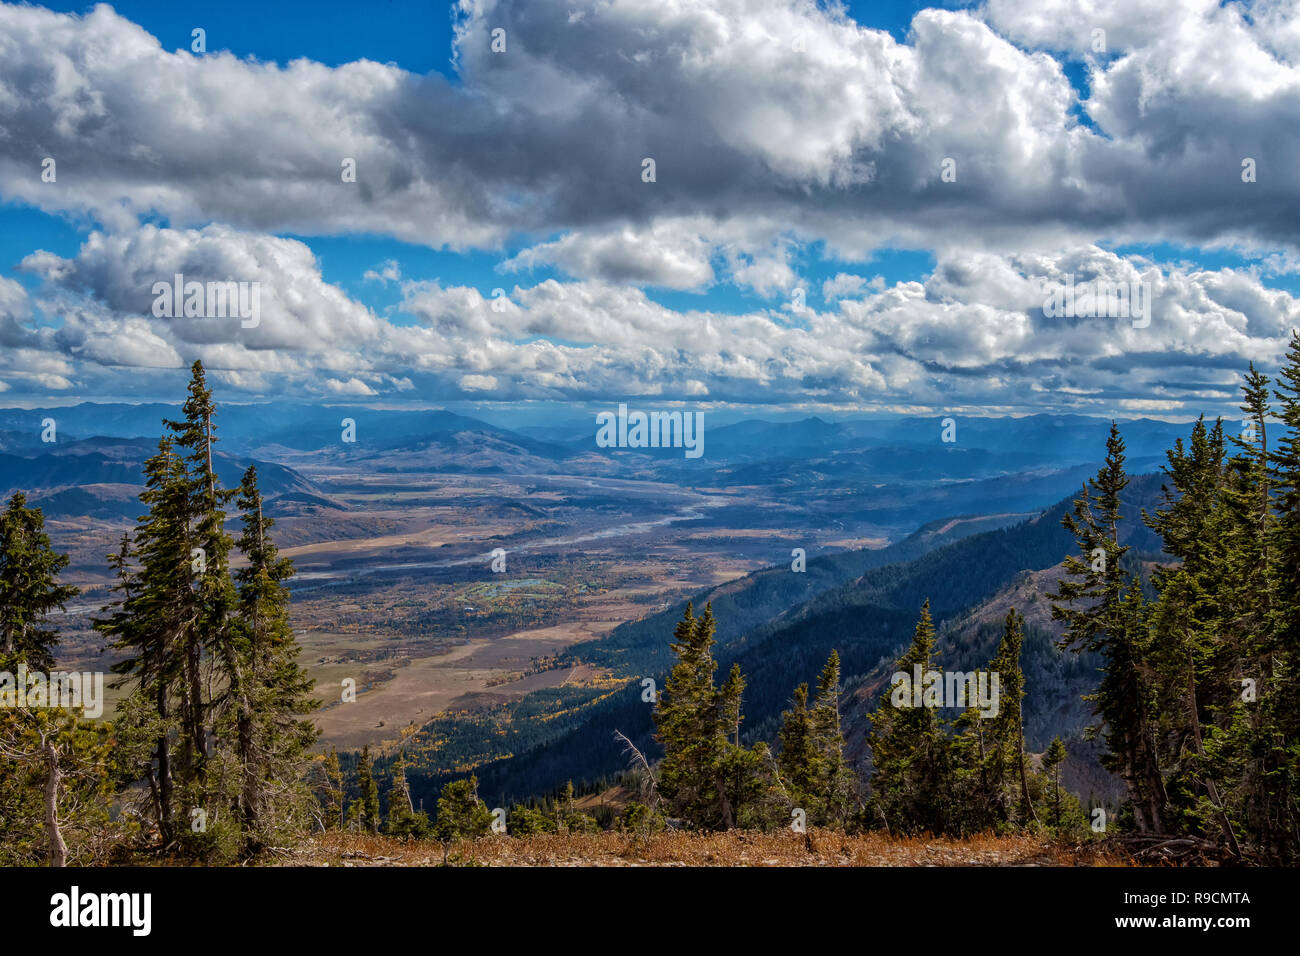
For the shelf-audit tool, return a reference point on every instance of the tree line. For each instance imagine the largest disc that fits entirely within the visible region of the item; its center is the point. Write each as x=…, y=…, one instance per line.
x=1195, y=702
x=207, y=756
x=930, y=774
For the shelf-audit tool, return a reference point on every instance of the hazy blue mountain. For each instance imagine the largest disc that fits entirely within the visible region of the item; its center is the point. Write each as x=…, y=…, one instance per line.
x=102, y=477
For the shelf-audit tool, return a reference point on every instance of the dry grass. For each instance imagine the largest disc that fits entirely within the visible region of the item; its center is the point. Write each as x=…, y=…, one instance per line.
x=737, y=848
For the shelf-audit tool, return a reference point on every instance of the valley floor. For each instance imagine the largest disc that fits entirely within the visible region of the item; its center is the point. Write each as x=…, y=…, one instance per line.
x=735, y=848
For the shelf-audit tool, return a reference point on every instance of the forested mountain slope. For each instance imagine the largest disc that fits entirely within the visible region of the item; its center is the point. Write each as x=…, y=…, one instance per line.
x=780, y=626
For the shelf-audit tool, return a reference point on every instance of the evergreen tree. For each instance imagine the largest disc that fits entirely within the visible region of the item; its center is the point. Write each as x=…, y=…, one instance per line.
x=461, y=814
x=1277, y=733
x=729, y=701
x=403, y=820
x=1285, y=544
x=568, y=818
x=175, y=597
x=332, y=788
x=29, y=588
x=59, y=780
x=798, y=760
x=693, y=728
x=1241, y=629
x=836, y=780
x=211, y=654
x=1100, y=615
x=1008, y=732
x=1249, y=496
x=707, y=778
x=811, y=763
x=58, y=767
x=211, y=595
x=1053, y=757
x=268, y=690
x=911, y=757
x=528, y=821
x=368, y=802
x=146, y=624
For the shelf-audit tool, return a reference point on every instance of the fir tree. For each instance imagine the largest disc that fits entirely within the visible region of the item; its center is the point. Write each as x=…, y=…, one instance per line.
x=912, y=772
x=1053, y=757
x=528, y=821
x=1285, y=544
x=268, y=689
x=1008, y=730
x=57, y=777
x=693, y=729
x=836, y=780
x=1250, y=498
x=332, y=787
x=149, y=619
x=29, y=588
x=212, y=595
x=811, y=763
x=211, y=653
x=706, y=776
x=1276, y=737
x=568, y=818
x=798, y=759
x=1100, y=615
x=368, y=801
x=461, y=814
x=403, y=820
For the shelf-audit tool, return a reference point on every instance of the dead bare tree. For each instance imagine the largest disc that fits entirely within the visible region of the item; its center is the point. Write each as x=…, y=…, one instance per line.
x=649, y=785
x=44, y=754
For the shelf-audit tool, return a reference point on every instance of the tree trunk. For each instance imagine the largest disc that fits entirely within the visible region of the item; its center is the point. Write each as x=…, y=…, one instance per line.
x=1213, y=790
x=728, y=820
x=1027, y=805
x=250, y=792
x=250, y=796
x=1056, y=797
x=212, y=482
x=198, y=743
x=1155, y=784
x=58, y=849
x=1134, y=774
x=164, y=774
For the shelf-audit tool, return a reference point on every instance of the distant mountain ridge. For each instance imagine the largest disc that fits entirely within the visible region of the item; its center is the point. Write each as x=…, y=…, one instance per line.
x=102, y=477
x=1066, y=439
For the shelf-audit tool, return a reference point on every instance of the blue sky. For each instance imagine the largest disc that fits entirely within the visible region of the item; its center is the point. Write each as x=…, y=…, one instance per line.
x=418, y=38
x=801, y=247
x=415, y=36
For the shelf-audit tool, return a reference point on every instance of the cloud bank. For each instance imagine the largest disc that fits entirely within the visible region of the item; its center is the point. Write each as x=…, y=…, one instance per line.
x=776, y=127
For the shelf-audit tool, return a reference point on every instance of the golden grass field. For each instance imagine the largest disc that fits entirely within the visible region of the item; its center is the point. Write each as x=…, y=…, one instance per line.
x=734, y=848
x=415, y=689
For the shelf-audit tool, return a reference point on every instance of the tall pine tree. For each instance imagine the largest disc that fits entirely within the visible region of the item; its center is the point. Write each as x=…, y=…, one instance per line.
x=1104, y=616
